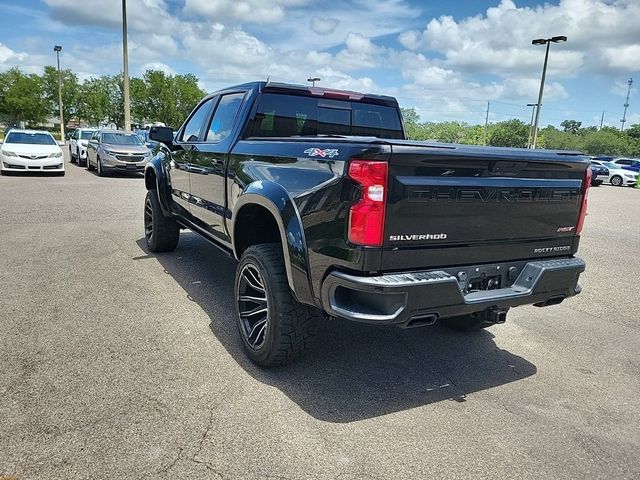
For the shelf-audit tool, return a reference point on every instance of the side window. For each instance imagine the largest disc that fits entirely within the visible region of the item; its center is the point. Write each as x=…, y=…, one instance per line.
x=222, y=121
x=96, y=136
x=192, y=129
x=624, y=162
x=75, y=135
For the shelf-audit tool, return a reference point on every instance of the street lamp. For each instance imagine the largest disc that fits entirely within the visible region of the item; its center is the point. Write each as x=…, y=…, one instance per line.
x=125, y=73
x=313, y=80
x=547, y=42
x=533, y=111
x=58, y=49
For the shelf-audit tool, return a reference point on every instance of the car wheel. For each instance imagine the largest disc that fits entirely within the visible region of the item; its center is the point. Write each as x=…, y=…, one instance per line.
x=101, y=172
x=161, y=233
x=466, y=323
x=71, y=158
x=616, y=180
x=89, y=166
x=275, y=329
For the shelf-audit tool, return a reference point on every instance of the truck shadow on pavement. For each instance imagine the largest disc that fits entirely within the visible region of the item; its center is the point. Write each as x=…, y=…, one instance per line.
x=356, y=371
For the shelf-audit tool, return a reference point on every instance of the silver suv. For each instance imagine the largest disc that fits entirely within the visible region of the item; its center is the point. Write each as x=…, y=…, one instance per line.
x=114, y=150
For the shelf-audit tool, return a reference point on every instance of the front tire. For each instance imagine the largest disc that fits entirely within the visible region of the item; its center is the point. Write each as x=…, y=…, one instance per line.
x=89, y=166
x=101, y=172
x=616, y=181
x=71, y=157
x=161, y=233
x=275, y=329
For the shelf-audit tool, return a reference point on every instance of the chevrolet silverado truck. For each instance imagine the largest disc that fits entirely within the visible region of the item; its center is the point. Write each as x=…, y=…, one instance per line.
x=332, y=212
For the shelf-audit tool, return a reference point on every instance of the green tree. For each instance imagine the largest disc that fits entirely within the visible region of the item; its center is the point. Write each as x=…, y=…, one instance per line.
x=510, y=133
x=555, y=139
x=70, y=90
x=633, y=131
x=160, y=97
x=606, y=142
x=571, y=126
x=21, y=97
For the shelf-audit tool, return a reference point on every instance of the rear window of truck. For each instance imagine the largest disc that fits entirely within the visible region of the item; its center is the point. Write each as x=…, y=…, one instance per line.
x=279, y=115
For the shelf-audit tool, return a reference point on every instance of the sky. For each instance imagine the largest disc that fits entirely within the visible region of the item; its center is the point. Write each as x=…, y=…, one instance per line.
x=445, y=58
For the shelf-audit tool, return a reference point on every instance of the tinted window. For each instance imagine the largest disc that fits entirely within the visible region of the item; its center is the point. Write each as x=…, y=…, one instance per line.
x=191, y=131
x=624, y=162
x=289, y=115
x=85, y=135
x=116, y=138
x=222, y=121
x=30, y=138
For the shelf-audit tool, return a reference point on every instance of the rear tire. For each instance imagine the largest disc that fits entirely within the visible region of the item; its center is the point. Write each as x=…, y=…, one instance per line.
x=466, y=323
x=71, y=157
x=275, y=329
x=161, y=233
x=616, y=181
x=89, y=166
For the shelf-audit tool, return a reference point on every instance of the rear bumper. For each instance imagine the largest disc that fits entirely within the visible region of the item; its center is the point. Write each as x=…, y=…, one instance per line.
x=401, y=298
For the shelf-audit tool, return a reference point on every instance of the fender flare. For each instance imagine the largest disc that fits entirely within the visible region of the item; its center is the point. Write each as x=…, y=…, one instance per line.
x=156, y=166
x=275, y=199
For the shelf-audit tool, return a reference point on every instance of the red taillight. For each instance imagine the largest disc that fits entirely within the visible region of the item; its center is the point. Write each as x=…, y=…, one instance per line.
x=366, y=218
x=583, y=206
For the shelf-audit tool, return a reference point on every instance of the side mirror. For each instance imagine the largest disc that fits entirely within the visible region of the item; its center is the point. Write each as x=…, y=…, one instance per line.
x=161, y=134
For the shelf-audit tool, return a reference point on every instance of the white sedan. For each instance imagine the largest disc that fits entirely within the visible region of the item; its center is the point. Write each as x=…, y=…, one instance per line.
x=31, y=151
x=619, y=176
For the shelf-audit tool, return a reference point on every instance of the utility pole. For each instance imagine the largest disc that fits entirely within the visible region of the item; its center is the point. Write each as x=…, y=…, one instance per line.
x=533, y=111
x=486, y=122
x=547, y=42
x=125, y=74
x=626, y=105
x=601, y=120
x=58, y=49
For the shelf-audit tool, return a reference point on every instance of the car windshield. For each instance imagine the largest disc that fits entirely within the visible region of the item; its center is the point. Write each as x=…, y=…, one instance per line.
x=121, y=139
x=610, y=165
x=30, y=138
x=86, y=134
x=143, y=134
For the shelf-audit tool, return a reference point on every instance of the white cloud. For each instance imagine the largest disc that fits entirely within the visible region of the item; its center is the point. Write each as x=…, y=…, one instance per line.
x=602, y=35
x=6, y=54
x=247, y=11
x=323, y=25
x=163, y=67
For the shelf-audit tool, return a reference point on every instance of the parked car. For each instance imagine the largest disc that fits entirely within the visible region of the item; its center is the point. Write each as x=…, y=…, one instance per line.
x=598, y=174
x=632, y=164
x=78, y=145
x=331, y=211
x=618, y=176
x=144, y=136
x=31, y=151
x=113, y=150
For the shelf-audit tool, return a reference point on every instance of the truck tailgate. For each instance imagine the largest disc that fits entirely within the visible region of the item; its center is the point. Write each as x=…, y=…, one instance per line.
x=502, y=202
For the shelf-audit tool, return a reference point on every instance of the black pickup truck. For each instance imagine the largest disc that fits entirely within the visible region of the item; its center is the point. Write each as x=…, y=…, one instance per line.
x=330, y=210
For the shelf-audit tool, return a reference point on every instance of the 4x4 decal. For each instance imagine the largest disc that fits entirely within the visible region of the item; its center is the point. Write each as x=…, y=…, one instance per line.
x=319, y=152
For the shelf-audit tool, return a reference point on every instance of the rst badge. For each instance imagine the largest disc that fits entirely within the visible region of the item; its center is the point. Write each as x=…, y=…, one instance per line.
x=320, y=152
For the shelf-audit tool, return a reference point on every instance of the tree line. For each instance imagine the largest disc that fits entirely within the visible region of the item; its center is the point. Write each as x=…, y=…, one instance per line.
x=515, y=133
x=155, y=97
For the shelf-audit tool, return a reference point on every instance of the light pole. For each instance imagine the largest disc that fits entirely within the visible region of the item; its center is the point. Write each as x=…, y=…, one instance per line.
x=313, y=80
x=58, y=49
x=125, y=73
x=547, y=42
x=533, y=111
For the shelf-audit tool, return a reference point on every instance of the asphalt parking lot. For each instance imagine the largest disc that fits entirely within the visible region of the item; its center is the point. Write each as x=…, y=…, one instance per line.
x=116, y=363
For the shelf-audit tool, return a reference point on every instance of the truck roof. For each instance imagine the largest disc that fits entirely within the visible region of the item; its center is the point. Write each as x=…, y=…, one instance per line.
x=307, y=90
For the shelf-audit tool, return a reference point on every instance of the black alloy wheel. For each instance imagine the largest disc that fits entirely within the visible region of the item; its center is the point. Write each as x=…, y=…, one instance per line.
x=253, y=307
